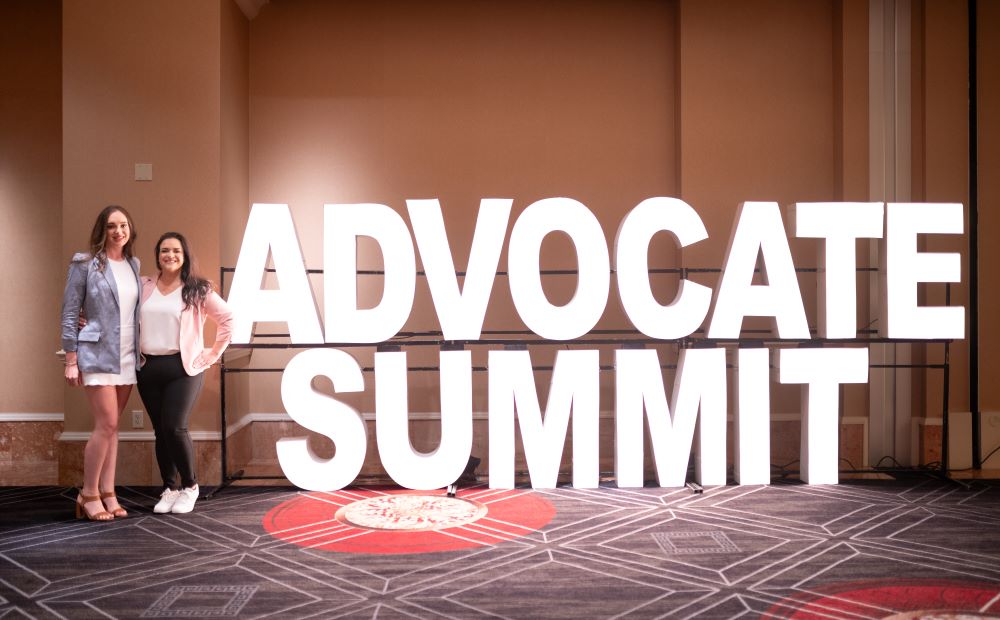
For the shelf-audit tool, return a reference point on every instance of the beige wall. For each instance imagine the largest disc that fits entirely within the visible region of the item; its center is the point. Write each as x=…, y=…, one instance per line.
x=385, y=101
x=850, y=156
x=315, y=102
x=988, y=82
x=941, y=170
x=235, y=131
x=234, y=178
x=850, y=126
x=30, y=193
x=757, y=113
x=141, y=84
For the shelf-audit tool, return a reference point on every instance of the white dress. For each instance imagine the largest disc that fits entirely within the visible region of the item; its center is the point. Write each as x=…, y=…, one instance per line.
x=128, y=297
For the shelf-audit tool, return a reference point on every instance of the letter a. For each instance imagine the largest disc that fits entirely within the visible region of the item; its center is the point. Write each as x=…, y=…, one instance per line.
x=270, y=227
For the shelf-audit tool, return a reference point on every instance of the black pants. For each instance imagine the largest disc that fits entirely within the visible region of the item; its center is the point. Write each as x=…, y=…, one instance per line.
x=168, y=394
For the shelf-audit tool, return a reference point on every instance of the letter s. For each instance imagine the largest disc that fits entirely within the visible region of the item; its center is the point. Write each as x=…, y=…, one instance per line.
x=325, y=415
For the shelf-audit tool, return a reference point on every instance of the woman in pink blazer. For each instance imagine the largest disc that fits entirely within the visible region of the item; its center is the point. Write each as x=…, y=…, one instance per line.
x=175, y=307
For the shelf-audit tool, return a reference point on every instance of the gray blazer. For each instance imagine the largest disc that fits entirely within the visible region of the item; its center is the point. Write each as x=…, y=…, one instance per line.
x=98, y=344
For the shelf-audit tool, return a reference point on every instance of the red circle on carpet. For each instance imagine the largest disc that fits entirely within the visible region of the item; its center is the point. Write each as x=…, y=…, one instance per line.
x=919, y=596
x=397, y=521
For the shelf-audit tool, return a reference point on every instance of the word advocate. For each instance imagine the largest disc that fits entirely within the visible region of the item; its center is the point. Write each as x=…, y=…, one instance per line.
x=700, y=384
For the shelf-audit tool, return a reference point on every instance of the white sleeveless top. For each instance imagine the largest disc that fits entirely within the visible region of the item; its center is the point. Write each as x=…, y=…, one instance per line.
x=160, y=316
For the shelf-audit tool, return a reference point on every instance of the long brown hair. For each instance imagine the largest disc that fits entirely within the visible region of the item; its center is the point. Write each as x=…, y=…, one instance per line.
x=195, y=288
x=99, y=235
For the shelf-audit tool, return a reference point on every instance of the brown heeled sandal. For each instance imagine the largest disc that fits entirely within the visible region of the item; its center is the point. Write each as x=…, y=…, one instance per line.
x=81, y=512
x=117, y=513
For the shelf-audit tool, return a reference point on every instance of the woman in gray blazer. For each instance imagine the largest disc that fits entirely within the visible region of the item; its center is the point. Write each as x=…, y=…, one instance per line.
x=103, y=355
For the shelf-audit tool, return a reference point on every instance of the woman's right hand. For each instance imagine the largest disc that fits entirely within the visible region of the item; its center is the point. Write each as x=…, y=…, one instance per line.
x=73, y=375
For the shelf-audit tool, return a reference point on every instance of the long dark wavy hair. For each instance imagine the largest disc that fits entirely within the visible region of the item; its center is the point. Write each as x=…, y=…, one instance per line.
x=99, y=235
x=196, y=288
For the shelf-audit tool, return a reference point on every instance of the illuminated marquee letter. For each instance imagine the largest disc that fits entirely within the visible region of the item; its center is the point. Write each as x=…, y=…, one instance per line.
x=700, y=382
x=905, y=268
x=575, y=385
x=841, y=224
x=752, y=422
x=823, y=370
x=593, y=278
x=687, y=311
x=342, y=225
x=758, y=229
x=443, y=466
x=325, y=415
x=270, y=227
x=461, y=314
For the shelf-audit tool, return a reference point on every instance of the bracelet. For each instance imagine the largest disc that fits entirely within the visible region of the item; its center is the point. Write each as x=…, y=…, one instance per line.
x=70, y=364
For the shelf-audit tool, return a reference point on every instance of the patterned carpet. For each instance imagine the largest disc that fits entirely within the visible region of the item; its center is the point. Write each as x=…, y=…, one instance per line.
x=872, y=549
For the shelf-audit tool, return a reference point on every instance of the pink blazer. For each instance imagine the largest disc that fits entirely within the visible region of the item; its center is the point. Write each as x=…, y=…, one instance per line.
x=193, y=326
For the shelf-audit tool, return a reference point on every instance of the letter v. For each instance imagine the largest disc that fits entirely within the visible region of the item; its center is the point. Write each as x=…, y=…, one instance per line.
x=461, y=313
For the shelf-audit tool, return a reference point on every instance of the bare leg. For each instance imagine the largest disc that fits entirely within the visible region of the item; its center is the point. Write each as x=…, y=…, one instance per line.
x=107, y=480
x=111, y=460
x=101, y=453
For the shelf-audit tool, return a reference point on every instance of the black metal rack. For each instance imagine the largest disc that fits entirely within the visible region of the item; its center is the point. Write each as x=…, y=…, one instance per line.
x=624, y=338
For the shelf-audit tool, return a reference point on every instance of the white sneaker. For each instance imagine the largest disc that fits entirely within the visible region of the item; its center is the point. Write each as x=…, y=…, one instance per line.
x=167, y=499
x=185, y=500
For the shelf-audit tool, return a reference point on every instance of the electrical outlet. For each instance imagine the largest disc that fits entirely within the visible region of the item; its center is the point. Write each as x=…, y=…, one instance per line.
x=137, y=419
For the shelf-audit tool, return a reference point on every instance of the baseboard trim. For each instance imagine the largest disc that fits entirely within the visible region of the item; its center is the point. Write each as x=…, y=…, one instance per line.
x=13, y=416
x=71, y=436
x=247, y=420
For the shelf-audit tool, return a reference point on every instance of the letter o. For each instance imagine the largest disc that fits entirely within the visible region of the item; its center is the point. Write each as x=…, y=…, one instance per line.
x=579, y=316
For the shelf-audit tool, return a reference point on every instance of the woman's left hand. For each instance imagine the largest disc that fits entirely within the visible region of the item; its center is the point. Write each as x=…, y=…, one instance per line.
x=205, y=359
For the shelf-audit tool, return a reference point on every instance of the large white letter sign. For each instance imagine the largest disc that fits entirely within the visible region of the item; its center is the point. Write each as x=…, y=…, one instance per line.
x=409, y=468
x=594, y=274
x=700, y=381
x=688, y=309
x=270, y=227
x=823, y=370
x=905, y=268
x=461, y=314
x=575, y=385
x=752, y=422
x=758, y=228
x=342, y=225
x=324, y=415
x=841, y=224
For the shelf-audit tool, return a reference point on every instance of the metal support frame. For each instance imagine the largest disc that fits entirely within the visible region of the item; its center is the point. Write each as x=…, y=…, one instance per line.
x=623, y=338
